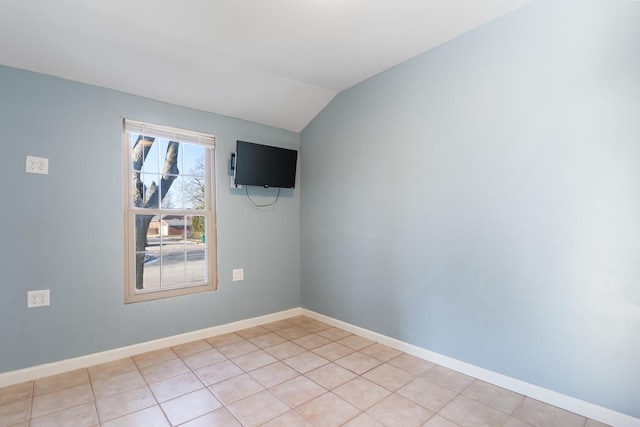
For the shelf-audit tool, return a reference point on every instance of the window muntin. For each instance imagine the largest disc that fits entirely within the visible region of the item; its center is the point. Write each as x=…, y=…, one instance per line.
x=169, y=212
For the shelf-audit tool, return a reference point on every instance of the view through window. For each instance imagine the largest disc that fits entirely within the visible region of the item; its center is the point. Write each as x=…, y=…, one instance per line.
x=170, y=212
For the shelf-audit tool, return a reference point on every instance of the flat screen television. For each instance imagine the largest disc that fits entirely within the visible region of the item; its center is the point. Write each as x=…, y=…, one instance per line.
x=264, y=165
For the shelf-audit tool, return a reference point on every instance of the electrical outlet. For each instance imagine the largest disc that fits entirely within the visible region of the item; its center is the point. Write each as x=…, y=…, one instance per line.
x=38, y=298
x=238, y=274
x=39, y=165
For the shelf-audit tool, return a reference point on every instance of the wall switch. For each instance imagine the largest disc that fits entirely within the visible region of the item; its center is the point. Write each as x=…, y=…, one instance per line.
x=238, y=274
x=39, y=165
x=38, y=298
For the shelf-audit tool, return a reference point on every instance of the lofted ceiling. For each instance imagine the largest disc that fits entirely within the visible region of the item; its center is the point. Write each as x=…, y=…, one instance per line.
x=275, y=62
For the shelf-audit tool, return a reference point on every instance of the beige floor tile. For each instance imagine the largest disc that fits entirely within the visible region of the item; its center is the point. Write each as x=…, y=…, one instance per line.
x=388, y=376
x=381, y=352
x=288, y=419
x=237, y=348
x=293, y=332
x=305, y=362
x=358, y=362
x=334, y=334
x=218, y=418
x=60, y=381
x=154, y=357
x=13, y=413
x=257, y=359
x=284, y=350
x=448, y=378
x=333, y=351
x=428, y=394
x=21, y=424
x=274, y=374
x=331, y=375
x=538, y=413
x=514, y=422
x=224, y=339
x=298, y=320
x=117, y=384
x=413, y=365
x=469, y=413
x=125, y=403
x=298, y=390
x=78, y=416
x=164, y=370
x=150, y=417
x=496, y=397
x=190, y=406
x=204, y=358
x=315, y=326
x=60, y=400
x=110, y=369
x=363, y=420
x=258, y=408
x=256, y=331
x=361, y=393
x=328, y=410
x=278, y=325
x=593, y=423
x=396, y=411
x=309, y=342
x=218, y=372
x=438, y=421
x=176, y=386
x=355, y=342
x=267, y=340
x=193, y=347
x=16, y=392
x=235, y=389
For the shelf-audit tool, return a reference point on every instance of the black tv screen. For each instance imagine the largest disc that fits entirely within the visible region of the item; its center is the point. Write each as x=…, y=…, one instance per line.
x=264, y=165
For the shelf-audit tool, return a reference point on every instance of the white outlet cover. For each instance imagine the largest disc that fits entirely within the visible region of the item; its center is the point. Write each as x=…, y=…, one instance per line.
x=37, y=165
x=38, y=298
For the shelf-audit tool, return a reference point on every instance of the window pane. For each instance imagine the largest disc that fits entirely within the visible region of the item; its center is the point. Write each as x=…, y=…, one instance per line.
x=194, y=191
x=144, y=189
x=164, y=146
x=151, y=270
x=173, y=199
x=156, y=229
x=176, y=228
x=152, y=161
x=196, y=250
x=193, y=160
x=196, y=266
x=173, y=267
x=197, y=228
x=135, y=160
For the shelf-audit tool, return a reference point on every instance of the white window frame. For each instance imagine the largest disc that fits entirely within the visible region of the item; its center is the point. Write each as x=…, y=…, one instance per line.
x=131, y=294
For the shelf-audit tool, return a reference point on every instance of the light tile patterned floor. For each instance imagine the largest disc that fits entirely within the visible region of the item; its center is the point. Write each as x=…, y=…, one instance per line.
x=290, y=373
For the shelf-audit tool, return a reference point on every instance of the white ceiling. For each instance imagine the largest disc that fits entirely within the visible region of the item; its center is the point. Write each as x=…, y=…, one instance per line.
x=275, y=62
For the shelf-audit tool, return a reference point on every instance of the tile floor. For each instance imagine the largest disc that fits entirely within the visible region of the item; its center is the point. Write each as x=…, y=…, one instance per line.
x=294, y=372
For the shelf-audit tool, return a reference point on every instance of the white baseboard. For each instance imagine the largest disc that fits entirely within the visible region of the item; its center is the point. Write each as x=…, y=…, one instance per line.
x=48, y=369
x=577, y=406
x=568, y=403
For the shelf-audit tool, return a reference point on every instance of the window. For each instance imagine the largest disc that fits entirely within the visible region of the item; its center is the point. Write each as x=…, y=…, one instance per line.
x=169, y=209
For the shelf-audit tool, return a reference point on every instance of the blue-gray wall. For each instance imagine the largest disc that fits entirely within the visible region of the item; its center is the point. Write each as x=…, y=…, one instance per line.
x=64, y=231
x=483, y=200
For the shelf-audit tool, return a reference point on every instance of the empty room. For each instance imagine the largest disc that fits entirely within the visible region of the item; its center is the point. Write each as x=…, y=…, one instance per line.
x=320, y=213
